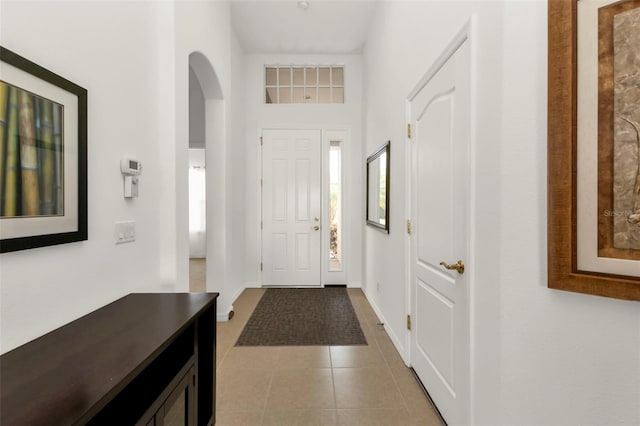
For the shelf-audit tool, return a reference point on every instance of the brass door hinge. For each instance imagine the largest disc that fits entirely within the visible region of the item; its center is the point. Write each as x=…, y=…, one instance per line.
x=260, y=266
x=261, y=183
x=261, y=140
x=408, y=322
x=261, y=225
x=409, y=130
x=409, y=226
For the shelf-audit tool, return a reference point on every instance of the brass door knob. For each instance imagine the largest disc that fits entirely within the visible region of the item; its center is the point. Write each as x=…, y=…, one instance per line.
x=316, y=227
x=459, y=266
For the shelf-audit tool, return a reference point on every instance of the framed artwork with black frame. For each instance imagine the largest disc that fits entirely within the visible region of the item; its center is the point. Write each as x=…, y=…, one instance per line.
x=43, y=156
x=378, y=187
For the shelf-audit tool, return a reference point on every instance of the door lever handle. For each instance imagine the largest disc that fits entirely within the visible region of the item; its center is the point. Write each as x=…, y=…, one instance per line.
x=459, y=266
x=315, y=228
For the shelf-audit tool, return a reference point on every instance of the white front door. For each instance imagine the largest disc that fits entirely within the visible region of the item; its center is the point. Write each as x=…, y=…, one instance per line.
x=441, y=123
x=291, y=207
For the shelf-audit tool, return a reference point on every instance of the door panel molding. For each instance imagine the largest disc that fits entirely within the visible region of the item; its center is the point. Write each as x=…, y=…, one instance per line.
x=291, y=197
x=457, y=380
x=329, y=133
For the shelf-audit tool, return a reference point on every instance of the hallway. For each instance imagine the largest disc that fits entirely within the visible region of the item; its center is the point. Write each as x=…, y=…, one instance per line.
x=315, y=385
x=531, y=353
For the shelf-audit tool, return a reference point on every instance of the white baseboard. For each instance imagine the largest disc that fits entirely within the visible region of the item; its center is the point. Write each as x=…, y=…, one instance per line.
x=394, y=338
x=354, y=284
x=236, y=295
x=224, y=316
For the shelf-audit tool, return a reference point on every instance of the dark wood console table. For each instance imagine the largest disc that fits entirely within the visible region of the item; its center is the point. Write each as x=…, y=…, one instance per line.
x=144, y=359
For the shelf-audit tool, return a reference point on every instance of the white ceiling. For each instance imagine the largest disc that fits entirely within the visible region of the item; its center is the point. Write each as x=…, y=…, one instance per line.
x=283, y=27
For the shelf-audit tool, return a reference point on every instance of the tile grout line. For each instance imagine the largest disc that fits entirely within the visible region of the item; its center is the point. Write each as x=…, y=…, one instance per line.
x=377, y=336
x=241, y=326
x=222, y=358
x=333, y=385
x=393, y=376
x=271, y=377
x=395, y=380
x=266, y=399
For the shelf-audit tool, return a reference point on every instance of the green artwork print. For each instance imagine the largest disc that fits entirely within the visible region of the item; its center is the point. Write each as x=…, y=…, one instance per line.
x=31, y=154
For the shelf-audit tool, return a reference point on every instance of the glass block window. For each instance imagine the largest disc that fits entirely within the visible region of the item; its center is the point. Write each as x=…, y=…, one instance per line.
x=304, y=84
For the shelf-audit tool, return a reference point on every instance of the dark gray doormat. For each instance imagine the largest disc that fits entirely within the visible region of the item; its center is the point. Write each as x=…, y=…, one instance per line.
x=295, y=317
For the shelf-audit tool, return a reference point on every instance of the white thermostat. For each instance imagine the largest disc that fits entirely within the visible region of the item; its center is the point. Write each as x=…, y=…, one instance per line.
x=131, y=169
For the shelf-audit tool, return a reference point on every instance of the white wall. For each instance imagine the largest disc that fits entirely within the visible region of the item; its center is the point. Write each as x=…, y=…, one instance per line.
x=539, y=356
x=197, y=202
x=236, y=175
x=196, y=112
x=582, y=353
x=137, y=81
x=197, y=239
x=205, y=27
x=44, y=288
x=405, y=39
x=259, y=115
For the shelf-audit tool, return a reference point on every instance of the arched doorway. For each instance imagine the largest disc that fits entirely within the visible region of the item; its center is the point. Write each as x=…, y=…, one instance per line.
x=206, y=176
x=197, y=186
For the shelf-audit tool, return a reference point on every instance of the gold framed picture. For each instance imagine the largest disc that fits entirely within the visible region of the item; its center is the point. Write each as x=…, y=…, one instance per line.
x=594, y=147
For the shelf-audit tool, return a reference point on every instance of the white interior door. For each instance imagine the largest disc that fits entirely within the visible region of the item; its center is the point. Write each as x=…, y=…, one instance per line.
x=291, y=207
x=441, y=122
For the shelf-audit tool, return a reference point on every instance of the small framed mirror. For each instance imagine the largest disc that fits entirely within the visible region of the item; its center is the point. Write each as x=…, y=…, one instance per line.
x=378, y=179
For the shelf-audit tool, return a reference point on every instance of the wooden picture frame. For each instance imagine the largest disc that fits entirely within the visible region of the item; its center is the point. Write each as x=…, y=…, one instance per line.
x=43, y=156
x=378, y=195
x=563, y=272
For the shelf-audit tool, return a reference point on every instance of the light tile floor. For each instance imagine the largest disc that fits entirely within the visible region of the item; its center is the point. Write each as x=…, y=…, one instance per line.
x=197, y=273
x=316, y=385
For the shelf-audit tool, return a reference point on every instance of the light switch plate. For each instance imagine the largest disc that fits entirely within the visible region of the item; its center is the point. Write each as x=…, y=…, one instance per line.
x=125, y=232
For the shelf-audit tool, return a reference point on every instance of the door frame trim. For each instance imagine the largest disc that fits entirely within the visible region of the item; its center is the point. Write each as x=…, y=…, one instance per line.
x=468, y=32
x=324, y=131
x=328, y=277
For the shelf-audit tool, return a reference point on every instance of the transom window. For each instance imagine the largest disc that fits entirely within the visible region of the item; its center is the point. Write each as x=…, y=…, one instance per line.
x=304, y=85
